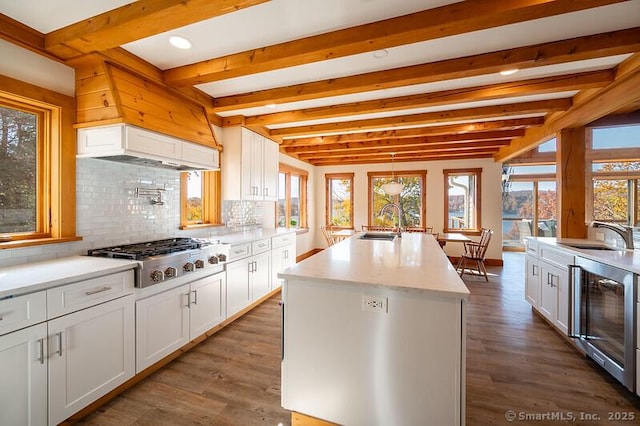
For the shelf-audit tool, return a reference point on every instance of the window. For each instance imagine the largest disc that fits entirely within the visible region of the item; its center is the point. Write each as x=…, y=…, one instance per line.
x=616, y=137
x=21, y=165
x=200, y=198
x=291, y=208
x=339, y=200
x=462, y=200
x=36, y=165
x=411, y=200
x=615, y=192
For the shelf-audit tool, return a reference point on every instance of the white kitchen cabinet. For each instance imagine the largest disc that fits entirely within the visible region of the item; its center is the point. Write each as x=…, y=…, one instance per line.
x=91, y=352
x=162, y=325
x=167, y=321
x=283, y=255
x=238, y=286
x=547, y=282
x=23, y=369
x=260, y=275
x=208, y=307
x=250, y=166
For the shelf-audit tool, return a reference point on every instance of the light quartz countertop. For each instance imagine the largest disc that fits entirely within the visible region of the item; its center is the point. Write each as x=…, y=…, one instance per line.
x=628, y=260
x=248, y=236
x=31, y=277
x=414, y=262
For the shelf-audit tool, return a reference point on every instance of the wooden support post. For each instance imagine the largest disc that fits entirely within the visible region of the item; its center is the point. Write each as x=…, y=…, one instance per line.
x=571, y=186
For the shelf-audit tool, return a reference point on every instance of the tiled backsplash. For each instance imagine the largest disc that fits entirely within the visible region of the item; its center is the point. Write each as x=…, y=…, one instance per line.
x=109, y=213
x=241, y=214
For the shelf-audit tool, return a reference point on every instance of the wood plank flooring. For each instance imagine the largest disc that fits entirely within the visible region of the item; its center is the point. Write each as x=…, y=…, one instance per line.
x=515, y=361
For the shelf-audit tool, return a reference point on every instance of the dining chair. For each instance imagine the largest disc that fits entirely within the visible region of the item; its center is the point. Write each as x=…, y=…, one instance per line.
x=426, y=229
x=474, y=252
x=327, y=235
x=377, y=228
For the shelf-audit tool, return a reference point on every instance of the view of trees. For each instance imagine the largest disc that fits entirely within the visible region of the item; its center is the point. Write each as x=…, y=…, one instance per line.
x=18, y=171
x=410, y=201
x=611, y=196
x=341, y=202
x=194, y=197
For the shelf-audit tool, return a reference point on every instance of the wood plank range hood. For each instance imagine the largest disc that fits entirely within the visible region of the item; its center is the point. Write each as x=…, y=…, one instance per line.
x=173, y=125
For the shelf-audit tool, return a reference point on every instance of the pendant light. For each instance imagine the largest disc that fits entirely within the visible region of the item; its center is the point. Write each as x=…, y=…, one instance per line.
x=393, y=187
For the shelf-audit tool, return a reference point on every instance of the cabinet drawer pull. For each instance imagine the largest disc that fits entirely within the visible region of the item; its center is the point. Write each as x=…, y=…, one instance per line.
x=59, y=351
x=98, y=290
x=41, y=348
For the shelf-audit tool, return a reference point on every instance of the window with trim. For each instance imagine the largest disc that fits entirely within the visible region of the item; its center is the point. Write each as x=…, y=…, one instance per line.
x=529, y=204
x=615, y=193
x=35, y=166
x=200, y=198
x=462, y=200
x=291, y=208
x=339, y=200
x=411, y=199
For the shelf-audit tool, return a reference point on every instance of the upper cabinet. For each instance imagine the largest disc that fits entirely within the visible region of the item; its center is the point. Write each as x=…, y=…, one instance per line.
x=249, y=166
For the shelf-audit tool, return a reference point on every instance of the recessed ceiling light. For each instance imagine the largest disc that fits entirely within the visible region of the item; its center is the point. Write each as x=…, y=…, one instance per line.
x=270, y=105
x=180, y=42
x=509, y=72
x=379, y=54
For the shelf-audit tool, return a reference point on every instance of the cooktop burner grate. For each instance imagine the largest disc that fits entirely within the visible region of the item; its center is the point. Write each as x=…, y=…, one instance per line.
x=142, y=251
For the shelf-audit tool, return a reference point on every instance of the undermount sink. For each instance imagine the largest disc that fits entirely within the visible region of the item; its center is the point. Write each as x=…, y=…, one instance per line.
x=590, y=246
x=378, y=236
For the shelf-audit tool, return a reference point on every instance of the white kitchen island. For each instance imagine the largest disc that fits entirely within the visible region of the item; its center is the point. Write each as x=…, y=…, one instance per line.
x=374, y=334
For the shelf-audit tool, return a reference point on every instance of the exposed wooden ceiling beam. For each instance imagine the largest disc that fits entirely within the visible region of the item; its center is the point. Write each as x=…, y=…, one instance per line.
x=135, y=21
x=623, y=91
x=580, y=48
x=479, y=113
x=452, y=139
x=444, y=21
x=568, y=82
x=485, y=146
x=447, y=130
x=410, y=157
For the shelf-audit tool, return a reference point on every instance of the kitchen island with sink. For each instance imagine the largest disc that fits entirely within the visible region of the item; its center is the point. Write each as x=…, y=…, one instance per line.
x=374, y=333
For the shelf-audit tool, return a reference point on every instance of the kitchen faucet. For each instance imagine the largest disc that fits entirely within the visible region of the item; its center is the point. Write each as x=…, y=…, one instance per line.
x=625, y=232
x=399, y=212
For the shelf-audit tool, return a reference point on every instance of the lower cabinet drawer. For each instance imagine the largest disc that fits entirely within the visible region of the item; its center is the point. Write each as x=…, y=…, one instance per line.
x=238, y=251
x=22, y=311
x=72, y=297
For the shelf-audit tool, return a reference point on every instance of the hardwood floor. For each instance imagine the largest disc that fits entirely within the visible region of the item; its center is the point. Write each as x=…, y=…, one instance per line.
x=515, y=361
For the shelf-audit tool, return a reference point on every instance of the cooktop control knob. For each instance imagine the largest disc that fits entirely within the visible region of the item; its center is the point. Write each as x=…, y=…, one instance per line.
x=170, y=272
x=157, y=276
x=213, y=260
x=222, y=257
x=199, y=264
x=188, y=267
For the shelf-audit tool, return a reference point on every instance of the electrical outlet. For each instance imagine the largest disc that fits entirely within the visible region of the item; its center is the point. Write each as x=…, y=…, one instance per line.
x=374, y=304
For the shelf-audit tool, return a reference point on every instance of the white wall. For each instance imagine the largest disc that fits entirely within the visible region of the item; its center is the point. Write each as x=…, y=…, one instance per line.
x=491, y=196
x=24, y=65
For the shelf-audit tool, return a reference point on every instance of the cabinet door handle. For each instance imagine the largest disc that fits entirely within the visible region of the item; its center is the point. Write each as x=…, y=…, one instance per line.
x=534, y=272
x=41, y=348
x=59, y=351
x=255, y=266
x=188, y=296
x=195, y=297
x=98, y=290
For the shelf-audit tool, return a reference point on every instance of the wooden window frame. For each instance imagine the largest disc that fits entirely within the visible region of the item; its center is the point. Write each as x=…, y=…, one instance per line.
x=211, y=200
x=477, y=172
x=56, y=193
x=289, y=171
x=328, y=178
x=402, y=173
